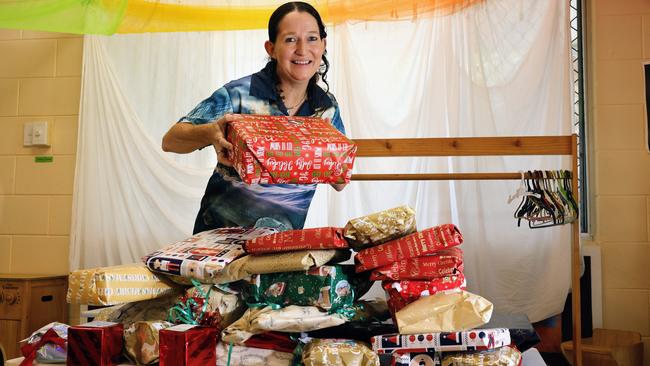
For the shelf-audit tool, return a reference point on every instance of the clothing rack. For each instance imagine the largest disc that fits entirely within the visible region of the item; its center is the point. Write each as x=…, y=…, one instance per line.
x=488, y=146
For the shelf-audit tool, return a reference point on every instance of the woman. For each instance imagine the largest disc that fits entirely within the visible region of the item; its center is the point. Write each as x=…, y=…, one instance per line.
x=286, y=86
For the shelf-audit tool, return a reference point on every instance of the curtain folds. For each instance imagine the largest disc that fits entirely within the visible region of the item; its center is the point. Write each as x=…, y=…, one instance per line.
x=498, y=68
x=141, y=16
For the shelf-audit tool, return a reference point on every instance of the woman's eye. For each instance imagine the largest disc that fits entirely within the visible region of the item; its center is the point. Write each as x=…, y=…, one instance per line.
x=313, y=38
x=290, y=39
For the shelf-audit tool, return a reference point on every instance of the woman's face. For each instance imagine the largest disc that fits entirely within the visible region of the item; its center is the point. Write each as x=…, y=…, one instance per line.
x=298, y=48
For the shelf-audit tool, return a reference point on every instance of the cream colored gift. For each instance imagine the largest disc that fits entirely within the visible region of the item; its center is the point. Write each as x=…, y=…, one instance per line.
x=447, y=311
x=248, y=356
x=116, y=285
x=127, y=314
x=289, y=319
x=272, y=263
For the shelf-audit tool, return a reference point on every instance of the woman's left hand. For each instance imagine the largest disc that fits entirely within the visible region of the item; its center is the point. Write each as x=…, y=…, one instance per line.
x=338, y=187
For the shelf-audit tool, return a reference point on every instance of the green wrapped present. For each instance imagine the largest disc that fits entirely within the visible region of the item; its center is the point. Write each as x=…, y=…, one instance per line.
x=331, y=288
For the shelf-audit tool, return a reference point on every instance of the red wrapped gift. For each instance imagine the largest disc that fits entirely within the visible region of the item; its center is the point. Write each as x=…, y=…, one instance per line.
x=415, y=245
x=440, y=264
x=292, y=240
x=188, y=345
x=95, y=343
x=402, y=293
x=282, y=149
x=277, y=341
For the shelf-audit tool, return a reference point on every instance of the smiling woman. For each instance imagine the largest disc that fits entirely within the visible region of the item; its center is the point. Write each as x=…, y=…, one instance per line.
x=288, y=85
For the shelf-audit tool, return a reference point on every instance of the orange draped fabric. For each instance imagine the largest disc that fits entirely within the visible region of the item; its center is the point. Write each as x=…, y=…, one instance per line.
x=154, y=16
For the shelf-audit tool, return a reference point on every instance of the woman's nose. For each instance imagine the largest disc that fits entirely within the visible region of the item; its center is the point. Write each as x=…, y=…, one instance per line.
x=300, y=47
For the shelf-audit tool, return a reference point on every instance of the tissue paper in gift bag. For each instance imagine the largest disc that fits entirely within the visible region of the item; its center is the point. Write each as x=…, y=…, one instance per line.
x=380, y=227
x=420, y=243
x=444, y=312
x=48, y=344
x=289, y=149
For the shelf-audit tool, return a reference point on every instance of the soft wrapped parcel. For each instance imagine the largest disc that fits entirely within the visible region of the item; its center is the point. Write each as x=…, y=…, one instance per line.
x=203, y=255
x=420, y=243
x=380, y=227
x=141, y=340
x=469, y=340
x=444, y=312
x=439, y=264
x=116, y=285
x=249, y=265
x=292, y=240
x=326, y=352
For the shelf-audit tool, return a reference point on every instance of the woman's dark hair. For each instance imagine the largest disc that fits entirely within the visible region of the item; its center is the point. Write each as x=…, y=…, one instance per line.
x=274, y=23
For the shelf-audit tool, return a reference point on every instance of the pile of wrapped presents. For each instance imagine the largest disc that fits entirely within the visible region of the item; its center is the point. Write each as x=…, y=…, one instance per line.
x=259, y=296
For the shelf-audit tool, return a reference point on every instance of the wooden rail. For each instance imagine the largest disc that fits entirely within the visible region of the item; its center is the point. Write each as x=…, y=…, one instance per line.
x=487, y=146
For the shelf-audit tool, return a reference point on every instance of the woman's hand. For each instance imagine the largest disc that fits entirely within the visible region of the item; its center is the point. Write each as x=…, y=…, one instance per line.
x=338, y=187
x=184, y=137
x=223, y=148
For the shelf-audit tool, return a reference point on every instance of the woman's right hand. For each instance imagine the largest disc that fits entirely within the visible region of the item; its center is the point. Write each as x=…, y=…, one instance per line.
x=223, y=148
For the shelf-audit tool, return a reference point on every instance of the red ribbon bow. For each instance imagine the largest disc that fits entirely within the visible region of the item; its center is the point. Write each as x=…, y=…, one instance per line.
x=29, y=349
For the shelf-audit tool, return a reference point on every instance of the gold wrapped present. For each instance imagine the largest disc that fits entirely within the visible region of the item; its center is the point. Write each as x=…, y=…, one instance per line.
x=447, y=311
x=368, y=231
x=504, y=356
x=116, y=285
x=325, y=352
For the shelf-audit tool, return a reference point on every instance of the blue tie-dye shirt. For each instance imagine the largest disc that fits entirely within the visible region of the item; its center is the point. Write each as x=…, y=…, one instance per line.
x=227, y=200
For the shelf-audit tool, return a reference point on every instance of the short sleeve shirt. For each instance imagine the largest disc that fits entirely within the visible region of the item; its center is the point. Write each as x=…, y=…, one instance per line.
x=227, y=200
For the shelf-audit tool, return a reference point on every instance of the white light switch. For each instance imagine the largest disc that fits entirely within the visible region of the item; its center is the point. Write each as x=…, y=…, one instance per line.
x=35, y=134
x=27, y=134
x=39, y=134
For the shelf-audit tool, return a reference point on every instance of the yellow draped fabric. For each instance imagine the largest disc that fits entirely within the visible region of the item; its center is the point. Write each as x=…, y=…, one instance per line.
x=155, y=16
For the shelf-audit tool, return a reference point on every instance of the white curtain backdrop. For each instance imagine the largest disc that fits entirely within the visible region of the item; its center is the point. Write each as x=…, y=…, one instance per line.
x=498, y=69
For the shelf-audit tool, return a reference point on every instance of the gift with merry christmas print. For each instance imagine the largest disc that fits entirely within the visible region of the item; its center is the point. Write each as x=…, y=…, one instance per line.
x=287, y=149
